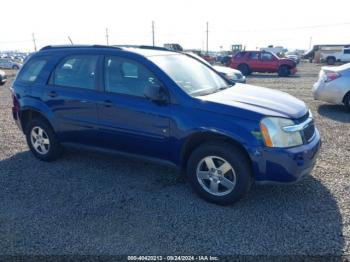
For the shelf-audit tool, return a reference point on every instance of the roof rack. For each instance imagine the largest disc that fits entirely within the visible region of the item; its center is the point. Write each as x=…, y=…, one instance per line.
x=48, y=47
x=145, y=47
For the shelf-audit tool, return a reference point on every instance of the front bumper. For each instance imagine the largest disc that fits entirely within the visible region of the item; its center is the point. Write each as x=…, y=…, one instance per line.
x=242, y=80
x=274, y=165
x=293, y=71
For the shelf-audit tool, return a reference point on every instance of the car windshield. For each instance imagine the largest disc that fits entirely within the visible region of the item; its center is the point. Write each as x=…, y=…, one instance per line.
x=195, y=78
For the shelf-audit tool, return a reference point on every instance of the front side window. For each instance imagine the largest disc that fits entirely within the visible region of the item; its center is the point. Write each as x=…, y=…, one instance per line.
x=125, y=76
x=266, y=56
x=31, y=70
x=76, y=71
x=194, y=77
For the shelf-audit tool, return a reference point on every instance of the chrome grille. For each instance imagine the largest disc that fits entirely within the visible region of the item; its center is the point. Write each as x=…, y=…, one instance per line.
x=309, y=131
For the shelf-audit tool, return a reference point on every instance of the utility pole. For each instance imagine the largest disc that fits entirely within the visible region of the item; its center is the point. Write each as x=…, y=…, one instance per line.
x=310, y=43
x=33, y=36
x=207, y=36
x=153, y=33
x=107, y=36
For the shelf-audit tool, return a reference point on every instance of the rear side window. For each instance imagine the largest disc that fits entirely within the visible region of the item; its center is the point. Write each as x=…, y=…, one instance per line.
x=31, y=70
x=346, y=51
x=254, y=55
x=76, y=71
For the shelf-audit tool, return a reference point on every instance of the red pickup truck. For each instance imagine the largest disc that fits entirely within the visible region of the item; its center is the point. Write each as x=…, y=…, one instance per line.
x=264, y=62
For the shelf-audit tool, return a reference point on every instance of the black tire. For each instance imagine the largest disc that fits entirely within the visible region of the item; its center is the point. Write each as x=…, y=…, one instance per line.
x=15, y=67
x=330, y=60
x=283, y=71
x=1, y=83
x=245, y=70
x=347, y=101
x=54, y=148
x=238, y=161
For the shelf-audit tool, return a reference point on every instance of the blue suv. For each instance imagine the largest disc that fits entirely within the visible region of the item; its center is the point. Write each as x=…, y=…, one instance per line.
x=168, y=107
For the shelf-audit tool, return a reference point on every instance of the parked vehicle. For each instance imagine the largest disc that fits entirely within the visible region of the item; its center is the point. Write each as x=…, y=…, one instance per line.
x=166, y=107
x=175, y=47
x=3, y=77
x=9, y=64
x=231, y=74
x=333, y=85
x=333, y=56
x=261, y=61
x=310, y=54
x=295, y=58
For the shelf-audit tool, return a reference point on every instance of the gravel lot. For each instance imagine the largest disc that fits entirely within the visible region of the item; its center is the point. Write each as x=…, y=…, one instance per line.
x=93, y=204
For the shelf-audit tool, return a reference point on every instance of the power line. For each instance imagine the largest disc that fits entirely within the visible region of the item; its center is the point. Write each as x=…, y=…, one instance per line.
x=284, y=28
x=153, y=33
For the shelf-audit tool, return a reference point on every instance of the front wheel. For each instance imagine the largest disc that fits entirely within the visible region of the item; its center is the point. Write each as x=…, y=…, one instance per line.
x=245, y=70
x=283, y=71
x=42, y=140
x=219, y=172
x=330, y=60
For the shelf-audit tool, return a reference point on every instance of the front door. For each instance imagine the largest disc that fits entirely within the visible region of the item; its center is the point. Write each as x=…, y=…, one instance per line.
x=128, y=121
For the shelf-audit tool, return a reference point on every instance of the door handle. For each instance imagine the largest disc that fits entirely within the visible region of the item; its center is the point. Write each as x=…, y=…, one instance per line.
x=52, y=94
x=107, y=103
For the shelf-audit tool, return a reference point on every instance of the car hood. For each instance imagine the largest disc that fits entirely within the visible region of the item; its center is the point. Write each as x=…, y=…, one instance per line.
x=264, y=101
x=287, y=60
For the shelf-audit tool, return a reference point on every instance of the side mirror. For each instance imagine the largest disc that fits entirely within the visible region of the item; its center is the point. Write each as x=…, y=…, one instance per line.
x=155, y=93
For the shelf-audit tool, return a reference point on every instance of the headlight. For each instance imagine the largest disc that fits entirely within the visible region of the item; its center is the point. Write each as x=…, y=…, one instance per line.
x=233, y=77
x=274, y=135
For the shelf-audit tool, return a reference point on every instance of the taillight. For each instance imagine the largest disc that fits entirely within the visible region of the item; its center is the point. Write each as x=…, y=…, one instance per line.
x=330, y=76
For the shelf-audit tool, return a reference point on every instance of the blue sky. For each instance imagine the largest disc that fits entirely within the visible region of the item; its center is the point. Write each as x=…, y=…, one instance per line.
x=251, y=23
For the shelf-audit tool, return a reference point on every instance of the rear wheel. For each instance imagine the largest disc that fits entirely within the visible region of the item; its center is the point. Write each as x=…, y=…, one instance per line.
x=330, y=60
x=219, y=172
x=244, y=69
x=283, y=71
x=42, y=140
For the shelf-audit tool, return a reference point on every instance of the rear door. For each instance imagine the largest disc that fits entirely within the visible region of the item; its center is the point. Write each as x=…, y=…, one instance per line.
x=128, y=121
x=71, y=95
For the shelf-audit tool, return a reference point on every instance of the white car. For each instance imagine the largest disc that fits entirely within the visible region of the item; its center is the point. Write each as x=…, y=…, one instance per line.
x=333, y=85
x=9, y=64
x=231, y=74
x=228, y=72
x=3, y=77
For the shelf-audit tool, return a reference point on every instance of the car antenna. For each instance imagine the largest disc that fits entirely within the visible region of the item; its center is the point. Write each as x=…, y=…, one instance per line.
x=70, y=40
